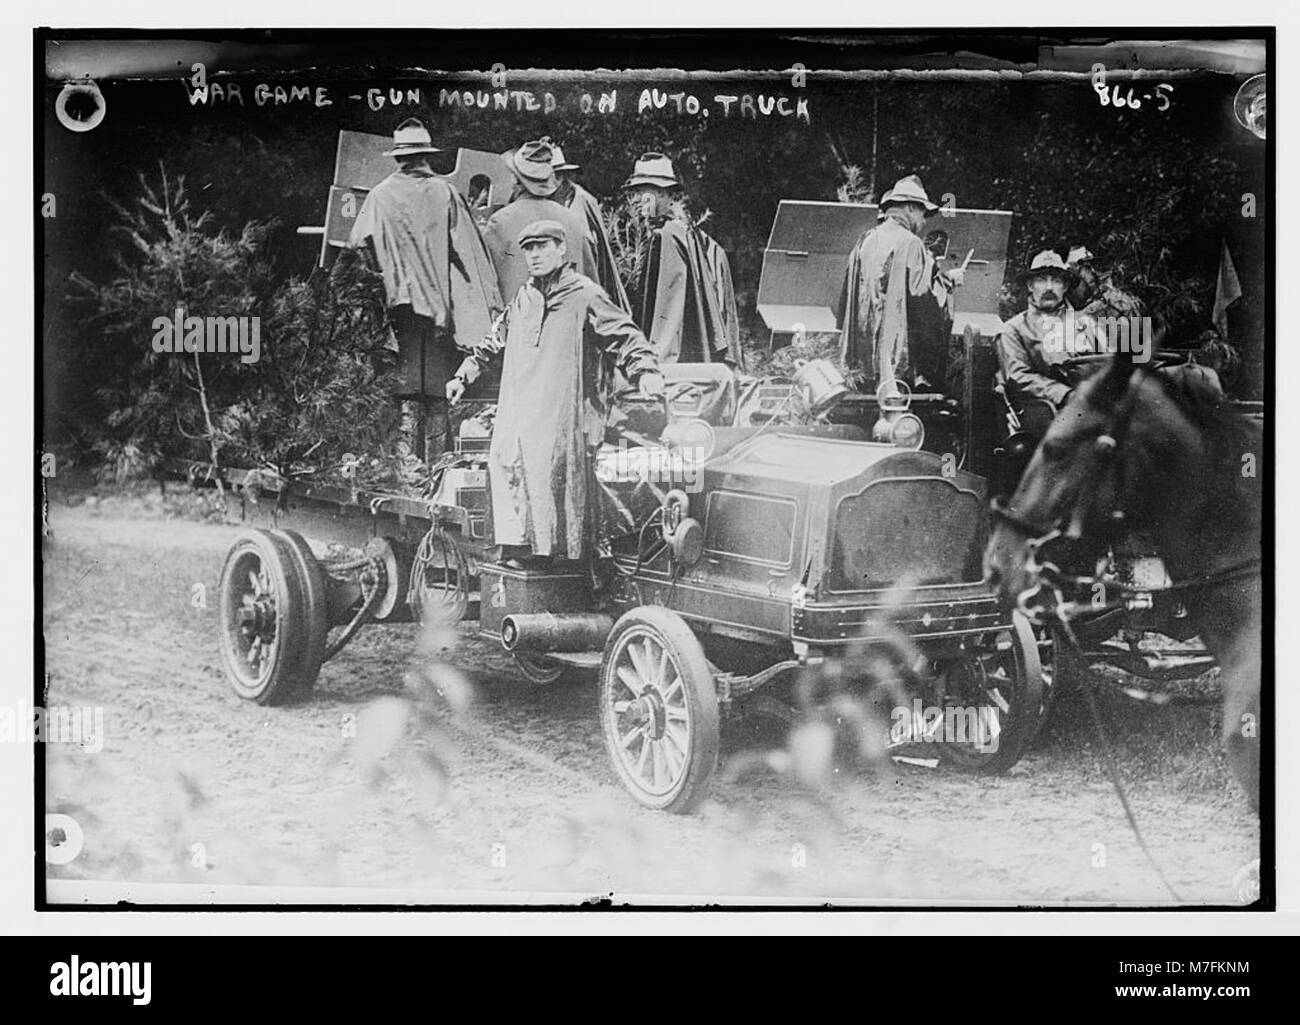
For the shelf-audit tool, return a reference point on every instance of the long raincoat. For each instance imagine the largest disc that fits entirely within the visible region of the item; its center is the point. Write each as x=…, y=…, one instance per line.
x=685, y=301
x=562, y=338
x=894, y=299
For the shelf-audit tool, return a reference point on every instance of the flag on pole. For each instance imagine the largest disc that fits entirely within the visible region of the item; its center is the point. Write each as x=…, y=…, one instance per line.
x=1226, y=291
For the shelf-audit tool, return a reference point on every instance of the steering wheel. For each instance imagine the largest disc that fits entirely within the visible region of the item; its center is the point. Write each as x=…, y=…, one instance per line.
x=684, y=392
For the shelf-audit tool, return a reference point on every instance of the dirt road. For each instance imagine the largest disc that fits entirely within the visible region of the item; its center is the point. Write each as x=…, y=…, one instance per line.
x=485, y=782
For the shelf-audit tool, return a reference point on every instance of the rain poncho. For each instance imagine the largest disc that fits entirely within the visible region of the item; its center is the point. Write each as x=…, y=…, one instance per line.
x=895, y=306
x=684, y=301
x=562, y=339
x=424, y=241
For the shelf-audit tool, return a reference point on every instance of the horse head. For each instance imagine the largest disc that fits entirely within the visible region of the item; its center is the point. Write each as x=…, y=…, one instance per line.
x=1074, y=488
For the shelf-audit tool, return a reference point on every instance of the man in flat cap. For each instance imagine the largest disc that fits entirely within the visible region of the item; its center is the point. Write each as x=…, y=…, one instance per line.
x=440, y=286
x=1035, y=346
x=897, y=302
x=533, y=200
x=559, y=341
x=570, y=194
x=684, y=299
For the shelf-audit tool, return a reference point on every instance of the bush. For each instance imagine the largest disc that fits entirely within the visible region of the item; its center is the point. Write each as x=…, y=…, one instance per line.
x=319, y=388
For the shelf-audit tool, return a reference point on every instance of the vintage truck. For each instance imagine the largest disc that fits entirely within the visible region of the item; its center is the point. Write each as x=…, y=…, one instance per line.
x=792, y=548
x=786, y=548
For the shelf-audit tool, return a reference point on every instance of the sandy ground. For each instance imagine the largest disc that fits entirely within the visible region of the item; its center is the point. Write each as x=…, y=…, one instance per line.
x=500, y=785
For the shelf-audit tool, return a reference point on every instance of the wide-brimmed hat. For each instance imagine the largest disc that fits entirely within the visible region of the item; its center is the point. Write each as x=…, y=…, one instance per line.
x=558, y=163
x=539, y=231
x=653, y=169
x=410, y=138
x=1078, y=255
x=531, y=164
x=1048, y=260
x=908, y=190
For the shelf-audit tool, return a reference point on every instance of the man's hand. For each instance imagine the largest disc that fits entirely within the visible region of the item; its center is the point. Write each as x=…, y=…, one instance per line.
x=957, y=276
x=650, y=384
x=455, y=389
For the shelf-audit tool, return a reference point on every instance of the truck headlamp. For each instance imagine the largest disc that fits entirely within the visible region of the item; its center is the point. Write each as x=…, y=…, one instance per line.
x=694, y=438
x=896, y=425
x=907, y=431
x=904, y=430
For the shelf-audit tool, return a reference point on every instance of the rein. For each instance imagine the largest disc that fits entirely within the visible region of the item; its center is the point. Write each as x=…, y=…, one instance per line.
x=1112, y=767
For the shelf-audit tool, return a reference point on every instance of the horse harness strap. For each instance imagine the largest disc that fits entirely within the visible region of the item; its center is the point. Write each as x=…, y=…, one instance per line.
x=1000, y=511
x=1241, y=571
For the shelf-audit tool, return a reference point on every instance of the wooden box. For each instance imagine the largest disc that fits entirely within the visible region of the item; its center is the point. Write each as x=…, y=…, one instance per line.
x=504, y=591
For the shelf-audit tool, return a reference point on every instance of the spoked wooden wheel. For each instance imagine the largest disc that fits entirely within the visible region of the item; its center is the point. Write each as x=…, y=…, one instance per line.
x=272, y=619
x=659, y=709
x=440, y=579
x=992, y=701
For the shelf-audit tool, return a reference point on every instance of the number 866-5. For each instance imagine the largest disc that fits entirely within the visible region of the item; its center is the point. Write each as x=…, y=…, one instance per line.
x=1110, y=96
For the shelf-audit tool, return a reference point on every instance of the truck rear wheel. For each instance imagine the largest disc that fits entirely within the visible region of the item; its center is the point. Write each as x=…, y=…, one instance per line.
x=272, y=627
x=315, y=605
x=659, y=709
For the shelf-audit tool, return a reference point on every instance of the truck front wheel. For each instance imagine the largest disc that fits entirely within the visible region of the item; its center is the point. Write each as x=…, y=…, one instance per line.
x=659, y=709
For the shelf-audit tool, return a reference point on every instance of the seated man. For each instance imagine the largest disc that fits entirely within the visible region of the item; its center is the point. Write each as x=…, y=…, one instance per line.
x=562, y=339
x=1036, y=346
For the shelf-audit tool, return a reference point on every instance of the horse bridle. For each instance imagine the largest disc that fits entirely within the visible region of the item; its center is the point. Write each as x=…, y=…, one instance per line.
x=1072, y=522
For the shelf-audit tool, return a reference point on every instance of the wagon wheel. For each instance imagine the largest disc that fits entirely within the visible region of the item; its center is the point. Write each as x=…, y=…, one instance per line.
x=993, y=701
x=540, y=668
x=439, y=592
x=659, y=709
x=269, y=622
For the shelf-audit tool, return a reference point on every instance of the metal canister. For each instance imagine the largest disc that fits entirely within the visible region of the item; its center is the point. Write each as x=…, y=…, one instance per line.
x=821, y=383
